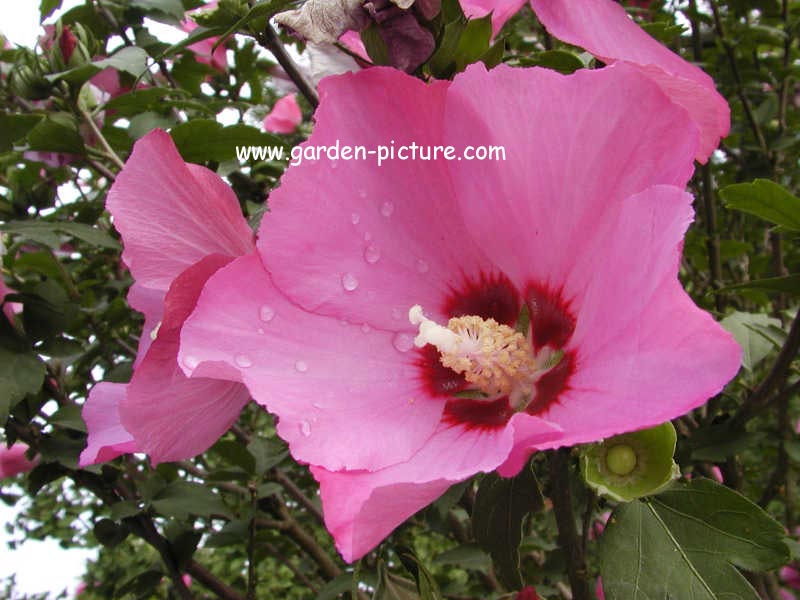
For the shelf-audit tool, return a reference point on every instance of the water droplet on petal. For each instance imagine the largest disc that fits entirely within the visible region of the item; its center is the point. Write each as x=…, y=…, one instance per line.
x=387, y=208
x=301, y=366
x=422, y=266
x=366, y=328
x=266, y=313
x=260, y=331
x=355, y=218
x=397, y=314
x=191, y=362
x=349, y=282
x=334, y=163
x=305, y=428
x=372, y=254
x=317, y=405
x=403, y=342
x=362, y=193
x=243, y=361
x=367, y=236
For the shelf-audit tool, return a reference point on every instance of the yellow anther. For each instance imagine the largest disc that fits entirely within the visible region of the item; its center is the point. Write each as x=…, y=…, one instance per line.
x=493, y=357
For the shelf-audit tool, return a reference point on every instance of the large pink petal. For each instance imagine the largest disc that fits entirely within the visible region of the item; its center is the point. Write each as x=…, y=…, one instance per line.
x=107, y=437
x=363, y=242
x=362, y=508
x=603, y=28
x=344, y=395
x=171, y=416
x=644, y=353
x=502, y=10
x=171, y=214
x=566, y=171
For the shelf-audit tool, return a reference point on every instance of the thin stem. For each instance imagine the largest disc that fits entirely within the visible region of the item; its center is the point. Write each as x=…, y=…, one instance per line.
x=251, y=545
x=568, y=538
x=109, y=151
x=296, y=493
x=270, y=40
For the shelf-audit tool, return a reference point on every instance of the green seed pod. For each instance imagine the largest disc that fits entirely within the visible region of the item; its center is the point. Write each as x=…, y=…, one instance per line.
x=631, y=465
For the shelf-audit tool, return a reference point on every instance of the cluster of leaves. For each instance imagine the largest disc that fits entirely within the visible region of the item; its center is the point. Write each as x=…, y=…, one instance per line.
x=243, y=520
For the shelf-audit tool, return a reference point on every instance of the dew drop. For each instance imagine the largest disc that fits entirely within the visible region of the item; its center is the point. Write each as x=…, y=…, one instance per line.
x=349, y=282
x=365, y=328
x=362, y=193
x=372, y=254
x=387, y=208
x=301, y=366
x=305, y=428
x=266, y=313
x=403, y=342
x=334, y=163
x=397, y=314
x=367, y=236
x=422, y=266
x=355, y=218
x=243, y=361
x=191, y=362
x=260, y=331
x=317, y=405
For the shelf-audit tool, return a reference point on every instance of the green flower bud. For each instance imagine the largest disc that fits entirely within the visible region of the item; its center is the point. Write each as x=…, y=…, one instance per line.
x=631, y=465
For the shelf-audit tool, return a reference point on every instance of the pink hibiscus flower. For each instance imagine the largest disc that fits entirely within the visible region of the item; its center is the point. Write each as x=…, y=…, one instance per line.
x=179, y=224
x=603, y=28
x=13, y=460
x=581, y=225
x=285, y=116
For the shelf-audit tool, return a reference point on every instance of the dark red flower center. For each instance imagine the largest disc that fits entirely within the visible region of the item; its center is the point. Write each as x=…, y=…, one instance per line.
x=495, y=297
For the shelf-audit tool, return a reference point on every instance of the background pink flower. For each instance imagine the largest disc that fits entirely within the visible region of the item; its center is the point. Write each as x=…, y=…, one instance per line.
x=179, y=224
x=582, y=224
x=13, y=460
x=285, y=116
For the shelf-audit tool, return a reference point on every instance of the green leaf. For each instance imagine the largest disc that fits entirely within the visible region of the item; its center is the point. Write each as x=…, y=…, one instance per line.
x=334, y=588
x=467, y=556
x=236, y=454
x=785, y=285
x=69, y=416
x=200, y=140
x=557, y=60
x=48, y=310
x=14, y=128
x=765, y=199
x=755, y=347
x=685, y=542
x=267, y=454
x=48, y=7
x=392, y=587
x=109, y=533
x=21, y=373
x=125, y=509
x=232, y=533
x=181, y=498
x=170, y=8
x=130, y=59
x=58, y=132
x=47, y=233
x=501, y=505
x=376, y=48
x=426, y=584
